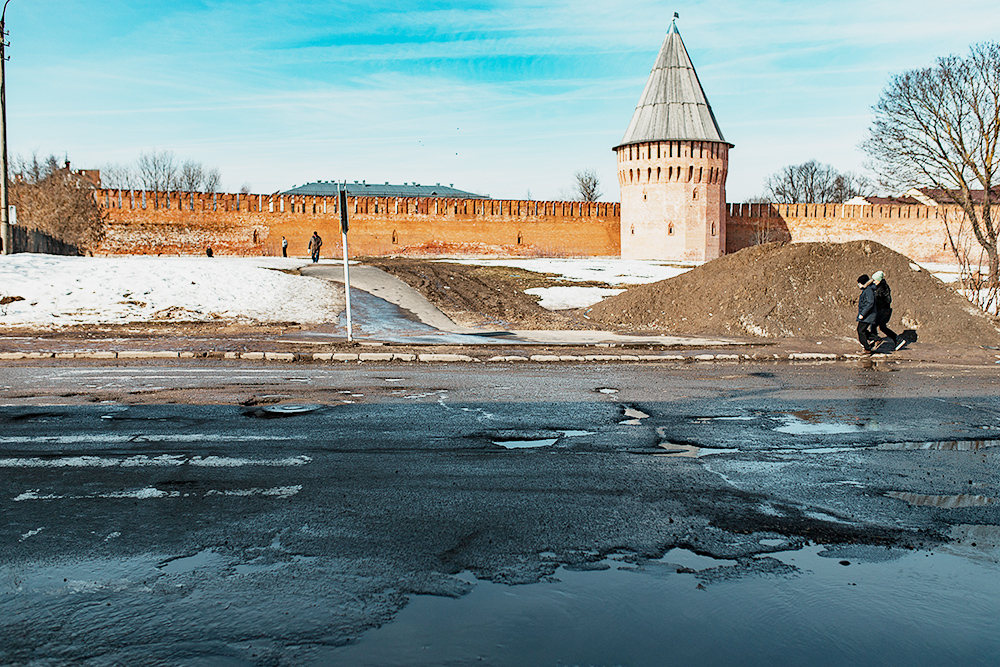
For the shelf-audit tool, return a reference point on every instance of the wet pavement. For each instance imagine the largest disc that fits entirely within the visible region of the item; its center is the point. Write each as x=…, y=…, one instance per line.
x=383, y=514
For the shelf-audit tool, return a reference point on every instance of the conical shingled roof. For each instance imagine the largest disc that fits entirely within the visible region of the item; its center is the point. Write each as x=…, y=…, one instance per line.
x=673, y=107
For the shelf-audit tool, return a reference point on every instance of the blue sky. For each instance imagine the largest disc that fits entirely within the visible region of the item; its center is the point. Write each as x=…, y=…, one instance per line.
x=500, y=98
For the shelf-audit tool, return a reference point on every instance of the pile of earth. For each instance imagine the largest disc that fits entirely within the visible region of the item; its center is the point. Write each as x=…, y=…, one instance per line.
x=484, y=296
x=796, y=290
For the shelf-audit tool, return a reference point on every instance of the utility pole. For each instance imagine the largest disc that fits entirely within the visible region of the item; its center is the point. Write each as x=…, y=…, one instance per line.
x=5, y=235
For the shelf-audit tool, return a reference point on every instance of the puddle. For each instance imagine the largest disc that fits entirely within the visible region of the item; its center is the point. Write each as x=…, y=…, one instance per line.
x=795, y=424
x=202, y=559
x=946, y=502
x=282, y=410
x=676, y=450
x=608, y=390
x=635, y=417
x=942, y=445
x=785, y=608
x=735, y=418
x=525, y=444
x=575, y=434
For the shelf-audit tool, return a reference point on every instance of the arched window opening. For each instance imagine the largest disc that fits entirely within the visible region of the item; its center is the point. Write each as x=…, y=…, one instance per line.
x=394, y=238
x=670, y=229
x=713, y=229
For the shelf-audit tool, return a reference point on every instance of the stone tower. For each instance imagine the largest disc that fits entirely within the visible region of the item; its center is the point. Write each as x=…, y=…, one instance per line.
x=672, y=166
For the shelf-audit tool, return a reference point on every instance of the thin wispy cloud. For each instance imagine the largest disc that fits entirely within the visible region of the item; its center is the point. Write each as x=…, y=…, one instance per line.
x=497, y=97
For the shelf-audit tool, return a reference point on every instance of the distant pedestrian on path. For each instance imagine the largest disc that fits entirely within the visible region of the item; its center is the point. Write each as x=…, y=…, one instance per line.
x=866, y=310
x=284, y=247
x=315, y=243
x=883, y=311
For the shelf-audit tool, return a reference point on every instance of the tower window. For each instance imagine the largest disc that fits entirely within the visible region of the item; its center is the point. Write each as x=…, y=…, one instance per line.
x=670, y=229
x=694, y=194
x=713, y=229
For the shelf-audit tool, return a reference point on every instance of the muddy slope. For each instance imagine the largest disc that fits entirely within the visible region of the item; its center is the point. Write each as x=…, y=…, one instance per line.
x=796, y=290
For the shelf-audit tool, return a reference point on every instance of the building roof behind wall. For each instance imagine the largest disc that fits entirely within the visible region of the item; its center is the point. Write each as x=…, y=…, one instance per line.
x=363, y=189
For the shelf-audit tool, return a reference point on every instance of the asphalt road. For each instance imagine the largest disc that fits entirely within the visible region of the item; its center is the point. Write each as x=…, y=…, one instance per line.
x=238, y=514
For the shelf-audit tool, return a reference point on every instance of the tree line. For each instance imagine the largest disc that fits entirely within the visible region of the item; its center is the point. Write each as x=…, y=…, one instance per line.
x=161, y=171
x=52, y=198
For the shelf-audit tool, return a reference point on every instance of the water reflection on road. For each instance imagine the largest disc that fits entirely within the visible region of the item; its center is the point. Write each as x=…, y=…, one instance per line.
x=813, y=606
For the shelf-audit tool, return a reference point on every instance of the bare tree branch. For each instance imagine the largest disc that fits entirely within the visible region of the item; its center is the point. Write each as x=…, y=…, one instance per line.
x=57, y=201
x=586, y=185
x=939, y=127
x=814, y=183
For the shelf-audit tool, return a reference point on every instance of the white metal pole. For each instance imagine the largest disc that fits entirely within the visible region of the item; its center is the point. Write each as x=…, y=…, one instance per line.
x=347, y=287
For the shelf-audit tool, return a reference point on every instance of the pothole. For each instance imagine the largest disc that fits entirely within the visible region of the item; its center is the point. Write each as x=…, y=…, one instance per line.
x=283, y=410
x=946, y=502
x=941, y=445
x=635, y=417
x=677, y=450
x=526, y=444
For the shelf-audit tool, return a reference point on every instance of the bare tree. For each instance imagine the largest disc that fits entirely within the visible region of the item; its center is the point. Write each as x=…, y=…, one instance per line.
x=586, y=185
x=940, y=127
x=814, y=183
x=57, y=201
x=119, y=177
x=191, y=177
x=213, y=180
x=158, y=171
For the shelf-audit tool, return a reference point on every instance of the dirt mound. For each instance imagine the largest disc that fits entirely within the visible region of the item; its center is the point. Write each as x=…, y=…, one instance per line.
x=796, y=290
x=488, y=296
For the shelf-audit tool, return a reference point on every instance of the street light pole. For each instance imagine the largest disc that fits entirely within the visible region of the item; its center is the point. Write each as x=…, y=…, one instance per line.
x=5, y=235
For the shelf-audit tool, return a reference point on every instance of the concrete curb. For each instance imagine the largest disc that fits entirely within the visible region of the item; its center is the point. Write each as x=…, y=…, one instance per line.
x=383, y=357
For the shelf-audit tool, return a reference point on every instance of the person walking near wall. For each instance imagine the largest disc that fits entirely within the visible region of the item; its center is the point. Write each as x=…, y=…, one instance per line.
x=883, y=311
x=866, y=310
x=315, y=243
x=284, y=247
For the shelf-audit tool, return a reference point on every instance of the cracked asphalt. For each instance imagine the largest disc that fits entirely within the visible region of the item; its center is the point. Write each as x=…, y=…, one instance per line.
x=247, y=514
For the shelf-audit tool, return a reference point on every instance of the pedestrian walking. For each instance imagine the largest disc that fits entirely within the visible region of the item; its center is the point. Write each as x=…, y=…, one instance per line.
x=883, y=311
x=284, y=247
x=866, y=310
x=315, y=243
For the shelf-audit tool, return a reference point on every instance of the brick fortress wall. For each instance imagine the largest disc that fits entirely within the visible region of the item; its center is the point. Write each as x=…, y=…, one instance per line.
x=187, y=223
x=915, y=231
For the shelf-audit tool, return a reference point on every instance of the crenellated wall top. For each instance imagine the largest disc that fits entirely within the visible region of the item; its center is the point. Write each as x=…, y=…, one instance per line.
x=327, y=205
x=839, y=211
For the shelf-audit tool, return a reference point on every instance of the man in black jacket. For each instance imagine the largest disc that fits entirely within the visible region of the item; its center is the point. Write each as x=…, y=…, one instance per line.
x=883, y=311
x=866, y=310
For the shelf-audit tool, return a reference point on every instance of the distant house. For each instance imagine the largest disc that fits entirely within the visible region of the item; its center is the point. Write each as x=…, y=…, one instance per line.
x=363, y=189
x=939, y=197
x=922, y=197
x=882, y=201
